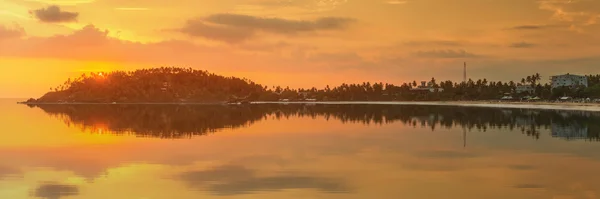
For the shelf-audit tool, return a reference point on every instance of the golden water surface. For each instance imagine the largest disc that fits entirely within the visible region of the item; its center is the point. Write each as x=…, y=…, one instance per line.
x=54, y=156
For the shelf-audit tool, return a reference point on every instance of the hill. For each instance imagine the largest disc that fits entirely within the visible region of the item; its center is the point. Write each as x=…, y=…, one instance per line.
x=166, y=84
x=169, y=85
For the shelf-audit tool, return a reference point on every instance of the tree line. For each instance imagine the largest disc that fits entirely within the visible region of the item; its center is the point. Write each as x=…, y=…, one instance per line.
x=480, y=89
x=171, y=84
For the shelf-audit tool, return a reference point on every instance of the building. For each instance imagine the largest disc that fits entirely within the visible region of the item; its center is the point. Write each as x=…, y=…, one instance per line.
x=304, y=94
x=525, y=89
x=427, y=86
x=569, y=131
x=165, y=86
x=568, y=80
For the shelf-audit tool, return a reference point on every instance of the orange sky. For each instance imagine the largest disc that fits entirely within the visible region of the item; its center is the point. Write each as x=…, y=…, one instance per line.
x=300, y=43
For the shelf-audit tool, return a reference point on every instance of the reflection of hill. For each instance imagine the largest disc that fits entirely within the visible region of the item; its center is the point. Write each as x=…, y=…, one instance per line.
x=164, y=121
x=174, y=121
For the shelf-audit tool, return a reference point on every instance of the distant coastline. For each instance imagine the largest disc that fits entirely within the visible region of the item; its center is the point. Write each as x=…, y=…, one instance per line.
x=121, y=103
x=171, y=85
x=488, y=104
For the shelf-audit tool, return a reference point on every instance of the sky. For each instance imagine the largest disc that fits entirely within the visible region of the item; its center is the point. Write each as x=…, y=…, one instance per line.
x=297, y=43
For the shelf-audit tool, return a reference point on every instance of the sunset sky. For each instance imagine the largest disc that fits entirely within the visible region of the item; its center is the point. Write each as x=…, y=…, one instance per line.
x=297, y=43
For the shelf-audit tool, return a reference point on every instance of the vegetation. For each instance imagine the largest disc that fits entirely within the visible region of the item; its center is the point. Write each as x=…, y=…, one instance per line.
x=177, y=121
x=188, y=85
x=152, y=85
x=162, y=121
x=481, y=89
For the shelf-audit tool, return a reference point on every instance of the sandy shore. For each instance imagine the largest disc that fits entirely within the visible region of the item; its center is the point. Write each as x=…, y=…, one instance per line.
x=491, y=104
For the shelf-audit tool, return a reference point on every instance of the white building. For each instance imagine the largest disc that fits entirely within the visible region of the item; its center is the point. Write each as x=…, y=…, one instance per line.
x=427, y=86
x=569, y=131
x=568, y=80
x=304, y=94
x=525, y=89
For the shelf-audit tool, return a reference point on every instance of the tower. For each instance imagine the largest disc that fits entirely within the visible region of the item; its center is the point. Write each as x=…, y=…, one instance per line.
x=464, y=137
x=465, y=73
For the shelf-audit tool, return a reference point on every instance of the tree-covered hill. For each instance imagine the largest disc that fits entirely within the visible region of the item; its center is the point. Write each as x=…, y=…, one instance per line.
x=152, y=85
x=169, y=85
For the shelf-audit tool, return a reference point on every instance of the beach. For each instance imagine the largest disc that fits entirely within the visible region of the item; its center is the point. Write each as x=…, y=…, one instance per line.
x=490, y=104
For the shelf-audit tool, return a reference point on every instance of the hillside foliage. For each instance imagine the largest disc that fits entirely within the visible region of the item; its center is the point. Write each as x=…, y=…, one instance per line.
x=169, y=84
x=152, y=85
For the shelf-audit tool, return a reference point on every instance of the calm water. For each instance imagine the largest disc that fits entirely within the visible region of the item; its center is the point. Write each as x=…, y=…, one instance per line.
x=296, y=151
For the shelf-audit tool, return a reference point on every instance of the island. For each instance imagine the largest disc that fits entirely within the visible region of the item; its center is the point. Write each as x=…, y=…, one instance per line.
x=187, y=85
x=157, y=85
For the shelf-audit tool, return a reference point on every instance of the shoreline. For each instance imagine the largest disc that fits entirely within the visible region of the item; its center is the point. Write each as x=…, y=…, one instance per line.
x=595, y=107
x=122, y=103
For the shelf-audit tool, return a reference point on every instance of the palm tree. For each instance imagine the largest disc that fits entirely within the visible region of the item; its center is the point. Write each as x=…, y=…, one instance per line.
x=536, y=78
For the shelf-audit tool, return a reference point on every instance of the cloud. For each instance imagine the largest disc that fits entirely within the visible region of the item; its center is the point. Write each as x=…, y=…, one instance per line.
x=11, y=32
x=237, y=180
x=445, y=54
x=560, y=10
x=198, y=28
x=265, y=47
x=537, y=27
x=396, y=2
x=235, y=28
x=576, y=13
x=529, y=186
x=522, y=45
x=521, y=167
x=528, y=27
x=132, y=9
x=434, y=43
x=278, y=25
x=53, y=14
x=305, y=5
x=336, y=57
x=14, y=14
x=93, y=44
x=63, y=2
x=55, y=191
x=340, y=61
x=432, y=167
x=294, y=57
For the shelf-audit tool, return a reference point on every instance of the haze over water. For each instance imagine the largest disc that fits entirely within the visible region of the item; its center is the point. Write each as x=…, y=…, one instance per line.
x=296, y=151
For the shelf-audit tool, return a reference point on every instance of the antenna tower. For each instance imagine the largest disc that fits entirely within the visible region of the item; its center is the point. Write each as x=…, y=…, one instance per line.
x=465, y=73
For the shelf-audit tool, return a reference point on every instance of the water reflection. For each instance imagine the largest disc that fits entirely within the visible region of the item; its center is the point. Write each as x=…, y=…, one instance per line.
x=178, y=121
x=8, y=172
x=238, y=180
x=296, y=151
x=163, y=121
x=52, y=190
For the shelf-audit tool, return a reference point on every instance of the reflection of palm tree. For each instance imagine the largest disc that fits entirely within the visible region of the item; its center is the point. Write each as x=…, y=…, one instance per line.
x=464, y=137
x=179, y=121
